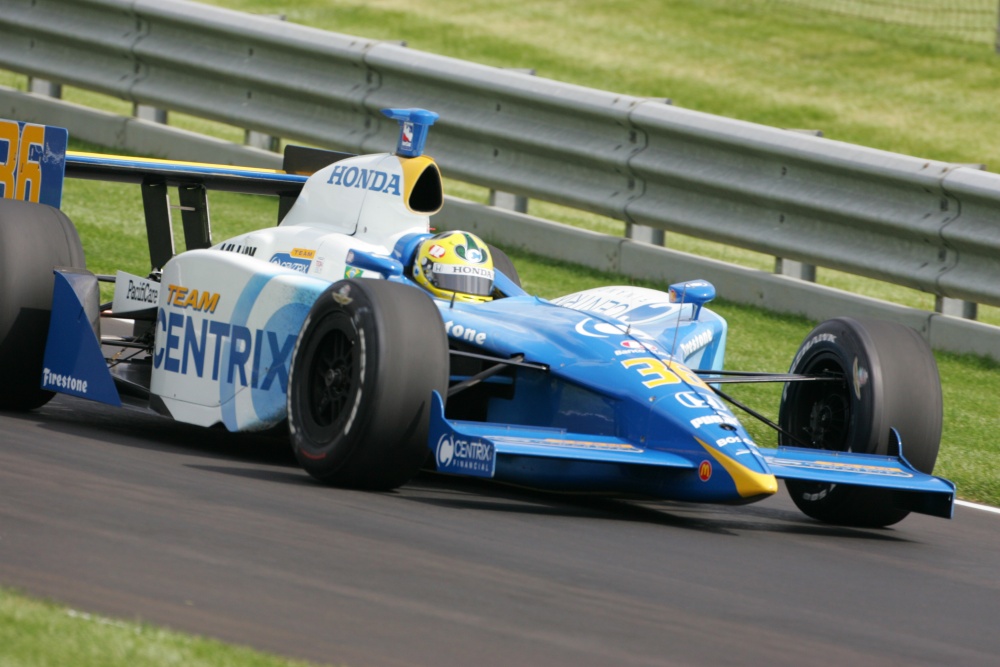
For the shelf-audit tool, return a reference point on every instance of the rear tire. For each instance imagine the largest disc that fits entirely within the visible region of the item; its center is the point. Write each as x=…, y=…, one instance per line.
x=359, y=392
x=890, y=381
x=34, y=238
x=503, y=264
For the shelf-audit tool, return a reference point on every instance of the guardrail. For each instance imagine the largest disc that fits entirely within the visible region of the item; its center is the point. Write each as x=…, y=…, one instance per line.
x=927, y=225
x=511, y=230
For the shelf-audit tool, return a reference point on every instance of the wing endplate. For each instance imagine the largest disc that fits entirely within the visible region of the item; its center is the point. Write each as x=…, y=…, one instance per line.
x=912, y=489
x=74, y=363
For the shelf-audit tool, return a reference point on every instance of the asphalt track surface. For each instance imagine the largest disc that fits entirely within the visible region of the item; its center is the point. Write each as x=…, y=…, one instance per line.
x=135, y=517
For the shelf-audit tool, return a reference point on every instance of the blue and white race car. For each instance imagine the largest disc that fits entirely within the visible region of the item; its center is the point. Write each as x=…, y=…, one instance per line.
x=386, y=348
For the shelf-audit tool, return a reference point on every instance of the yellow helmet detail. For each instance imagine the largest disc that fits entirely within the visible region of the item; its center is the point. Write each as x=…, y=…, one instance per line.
x=455, y=265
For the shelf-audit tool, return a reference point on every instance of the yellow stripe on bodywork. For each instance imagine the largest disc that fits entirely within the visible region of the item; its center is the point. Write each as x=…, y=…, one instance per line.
x=181, y=163
x=749, y=483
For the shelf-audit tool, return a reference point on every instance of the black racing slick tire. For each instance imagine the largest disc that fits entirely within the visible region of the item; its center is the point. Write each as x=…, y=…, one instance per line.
x=359, y=392
x=502, y=263
x=34, y=238
x=889, y=381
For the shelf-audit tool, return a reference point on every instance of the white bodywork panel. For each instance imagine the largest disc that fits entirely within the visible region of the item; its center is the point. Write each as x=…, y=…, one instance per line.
x=228, y=317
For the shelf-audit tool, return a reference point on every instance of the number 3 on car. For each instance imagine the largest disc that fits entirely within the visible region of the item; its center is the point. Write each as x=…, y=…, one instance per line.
x=662, y=373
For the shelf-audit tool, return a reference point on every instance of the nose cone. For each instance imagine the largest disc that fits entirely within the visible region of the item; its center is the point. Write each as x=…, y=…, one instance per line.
x=750, y=475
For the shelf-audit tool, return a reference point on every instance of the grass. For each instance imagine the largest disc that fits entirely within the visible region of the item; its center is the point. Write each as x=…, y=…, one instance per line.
x=965, y=20
x=897, y=88
x=42, y=634
x=861, y=76
x=860, y=79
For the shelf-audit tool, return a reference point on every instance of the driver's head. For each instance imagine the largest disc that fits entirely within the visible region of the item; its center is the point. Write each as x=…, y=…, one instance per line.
x=455, y=264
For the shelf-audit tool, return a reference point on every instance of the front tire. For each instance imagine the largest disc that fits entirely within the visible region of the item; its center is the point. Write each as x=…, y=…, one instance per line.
x=890, y=380
x=359, y=392
x=34, y=238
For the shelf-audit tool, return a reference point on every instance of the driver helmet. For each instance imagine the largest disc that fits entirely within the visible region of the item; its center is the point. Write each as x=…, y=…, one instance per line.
x=455, y=265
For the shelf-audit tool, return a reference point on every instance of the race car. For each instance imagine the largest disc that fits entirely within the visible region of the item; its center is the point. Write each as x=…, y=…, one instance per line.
x=386, y=348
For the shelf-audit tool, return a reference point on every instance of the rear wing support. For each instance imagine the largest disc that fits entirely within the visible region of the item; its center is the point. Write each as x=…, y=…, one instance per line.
x=192, y=180
x=194, y=215
x=159, y=230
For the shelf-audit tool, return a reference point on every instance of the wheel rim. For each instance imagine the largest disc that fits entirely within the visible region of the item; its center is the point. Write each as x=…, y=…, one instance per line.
x=823, y=409
x=822, y=417
x=332, y=369
x=330, y=379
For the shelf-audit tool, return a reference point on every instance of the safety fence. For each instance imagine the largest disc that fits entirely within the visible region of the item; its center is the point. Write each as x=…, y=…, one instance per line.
x=966, y=20
x=927, y=225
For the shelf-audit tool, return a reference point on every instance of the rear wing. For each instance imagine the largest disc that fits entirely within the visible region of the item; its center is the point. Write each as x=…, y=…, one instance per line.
x=34, y=161
x=193, y=180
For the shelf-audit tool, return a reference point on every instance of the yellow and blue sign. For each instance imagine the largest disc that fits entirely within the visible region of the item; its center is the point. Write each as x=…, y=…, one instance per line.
x=32, y=162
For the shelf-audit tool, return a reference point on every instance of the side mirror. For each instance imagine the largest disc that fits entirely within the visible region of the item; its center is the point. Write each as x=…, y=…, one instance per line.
x=696, y=292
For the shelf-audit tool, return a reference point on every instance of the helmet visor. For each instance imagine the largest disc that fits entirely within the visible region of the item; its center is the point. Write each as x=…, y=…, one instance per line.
x=463, y=279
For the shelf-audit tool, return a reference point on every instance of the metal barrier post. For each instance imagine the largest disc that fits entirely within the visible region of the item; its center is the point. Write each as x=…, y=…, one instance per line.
x=645, y=234
x=152, y=114
x=793, y=269
x=44, y=87
x=508, y=200
x=262, y=140
x=956, y=307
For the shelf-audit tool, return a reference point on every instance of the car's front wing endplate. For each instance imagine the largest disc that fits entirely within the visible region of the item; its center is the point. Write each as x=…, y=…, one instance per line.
x=911, y=489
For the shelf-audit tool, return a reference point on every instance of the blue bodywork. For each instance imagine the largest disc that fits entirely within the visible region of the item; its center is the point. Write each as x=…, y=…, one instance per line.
x=597, y=391
x=603, y=396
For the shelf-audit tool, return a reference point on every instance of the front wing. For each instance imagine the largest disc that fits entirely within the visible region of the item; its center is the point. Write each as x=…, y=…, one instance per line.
x=911, y=489
x=558, y=460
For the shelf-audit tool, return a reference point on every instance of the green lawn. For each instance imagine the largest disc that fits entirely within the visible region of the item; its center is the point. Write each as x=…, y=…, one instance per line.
x=41, y=634
x=785, y=63
x=906, y=90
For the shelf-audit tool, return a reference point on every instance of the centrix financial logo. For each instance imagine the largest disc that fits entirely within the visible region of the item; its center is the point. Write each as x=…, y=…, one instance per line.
x=287, y=261
x=459, y=456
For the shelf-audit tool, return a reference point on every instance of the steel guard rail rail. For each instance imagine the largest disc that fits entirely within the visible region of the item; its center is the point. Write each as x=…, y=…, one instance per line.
x=923, y=224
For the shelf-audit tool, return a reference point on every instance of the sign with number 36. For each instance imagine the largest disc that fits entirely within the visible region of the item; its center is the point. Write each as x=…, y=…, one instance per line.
x=32, y=162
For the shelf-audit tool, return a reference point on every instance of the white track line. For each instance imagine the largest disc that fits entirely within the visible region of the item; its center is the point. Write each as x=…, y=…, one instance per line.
x=985, y=508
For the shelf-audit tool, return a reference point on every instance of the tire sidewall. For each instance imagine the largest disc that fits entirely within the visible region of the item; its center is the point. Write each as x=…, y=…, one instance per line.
x=34, y=238
x=400, y=354
x=890, y=381
x=503, y=263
